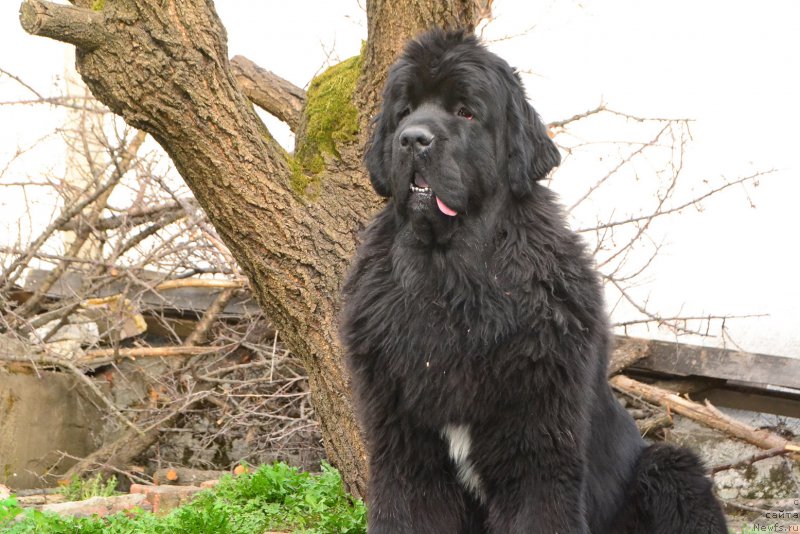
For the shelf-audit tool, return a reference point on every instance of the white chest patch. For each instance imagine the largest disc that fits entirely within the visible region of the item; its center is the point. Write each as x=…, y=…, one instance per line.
x=459, y=443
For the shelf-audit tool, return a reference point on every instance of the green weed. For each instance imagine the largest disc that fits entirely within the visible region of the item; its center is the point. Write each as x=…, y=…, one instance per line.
x=79, y=489
x=9, y=509
x=274, y=497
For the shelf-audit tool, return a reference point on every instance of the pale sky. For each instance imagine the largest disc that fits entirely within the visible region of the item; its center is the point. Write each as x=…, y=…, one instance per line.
x=732, y=66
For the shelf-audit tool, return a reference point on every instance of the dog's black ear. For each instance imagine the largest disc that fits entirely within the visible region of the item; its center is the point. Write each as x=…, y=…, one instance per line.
x=531, y=152
x=375, y=159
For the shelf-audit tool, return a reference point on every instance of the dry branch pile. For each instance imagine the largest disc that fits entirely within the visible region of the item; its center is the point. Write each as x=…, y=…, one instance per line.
x=127, y=287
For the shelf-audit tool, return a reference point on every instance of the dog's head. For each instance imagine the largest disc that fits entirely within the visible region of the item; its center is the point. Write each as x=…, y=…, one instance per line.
x=455, y=131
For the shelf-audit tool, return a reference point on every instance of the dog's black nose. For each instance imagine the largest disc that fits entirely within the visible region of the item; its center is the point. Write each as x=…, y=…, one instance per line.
x=416, y=137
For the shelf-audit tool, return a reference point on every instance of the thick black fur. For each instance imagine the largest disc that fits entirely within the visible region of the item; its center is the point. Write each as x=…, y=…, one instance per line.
x=478, y=343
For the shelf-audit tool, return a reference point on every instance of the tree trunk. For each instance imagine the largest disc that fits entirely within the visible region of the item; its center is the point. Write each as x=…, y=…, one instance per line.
x=291, y=222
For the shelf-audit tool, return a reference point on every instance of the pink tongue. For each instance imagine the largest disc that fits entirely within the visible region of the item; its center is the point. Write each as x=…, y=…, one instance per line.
x=444, y=208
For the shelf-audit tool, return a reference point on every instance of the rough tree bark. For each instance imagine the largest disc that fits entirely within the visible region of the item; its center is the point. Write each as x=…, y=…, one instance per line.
x=163, y=67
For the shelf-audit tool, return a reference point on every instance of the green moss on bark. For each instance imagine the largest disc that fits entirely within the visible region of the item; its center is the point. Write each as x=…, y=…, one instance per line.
x=330, y=122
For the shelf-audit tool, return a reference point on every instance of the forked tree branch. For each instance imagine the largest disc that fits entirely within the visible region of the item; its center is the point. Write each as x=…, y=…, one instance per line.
x=270, y=92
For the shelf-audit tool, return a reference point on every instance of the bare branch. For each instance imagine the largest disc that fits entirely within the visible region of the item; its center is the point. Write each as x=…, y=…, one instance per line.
x=751, y=459
x=662, y=320
x=198, y=335
x=97, y=357
x=13, y=271
x=705, y=414
x=693, y=202
x=80, y=27
x=678, y=323
x=616, y=168
x=132, y=217
x=577, y=117
x=22, y=83
x=196, y=282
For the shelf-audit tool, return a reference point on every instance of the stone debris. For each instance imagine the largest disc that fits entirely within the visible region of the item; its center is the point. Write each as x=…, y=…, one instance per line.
x=164, y=499
x=99, y=506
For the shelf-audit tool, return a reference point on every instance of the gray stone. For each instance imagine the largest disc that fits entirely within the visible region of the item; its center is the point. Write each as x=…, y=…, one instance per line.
x=773, y=478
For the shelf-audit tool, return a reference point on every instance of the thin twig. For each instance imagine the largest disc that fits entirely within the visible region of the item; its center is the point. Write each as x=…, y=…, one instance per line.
x=751, y=459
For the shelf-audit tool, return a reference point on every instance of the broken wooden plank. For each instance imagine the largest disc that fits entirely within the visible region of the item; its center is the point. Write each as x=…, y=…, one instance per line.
x=627, y=351
x=173, y=297
x=692, y=360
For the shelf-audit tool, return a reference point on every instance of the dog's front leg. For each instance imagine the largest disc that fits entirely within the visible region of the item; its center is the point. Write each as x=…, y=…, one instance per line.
x=528, y=503
x=412, y=489
x=533, y=473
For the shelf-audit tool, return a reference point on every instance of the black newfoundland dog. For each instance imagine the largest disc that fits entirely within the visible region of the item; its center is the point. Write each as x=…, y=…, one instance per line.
x=476, y=331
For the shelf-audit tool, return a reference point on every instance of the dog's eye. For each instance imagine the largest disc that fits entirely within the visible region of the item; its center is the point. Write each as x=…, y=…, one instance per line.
x=464, y=112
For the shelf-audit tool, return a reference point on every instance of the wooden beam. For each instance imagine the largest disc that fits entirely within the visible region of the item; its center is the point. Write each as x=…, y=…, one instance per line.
x=692, y=360
x=190, y=295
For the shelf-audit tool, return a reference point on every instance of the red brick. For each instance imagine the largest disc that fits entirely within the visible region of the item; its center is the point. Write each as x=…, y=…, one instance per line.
x=164, y=499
